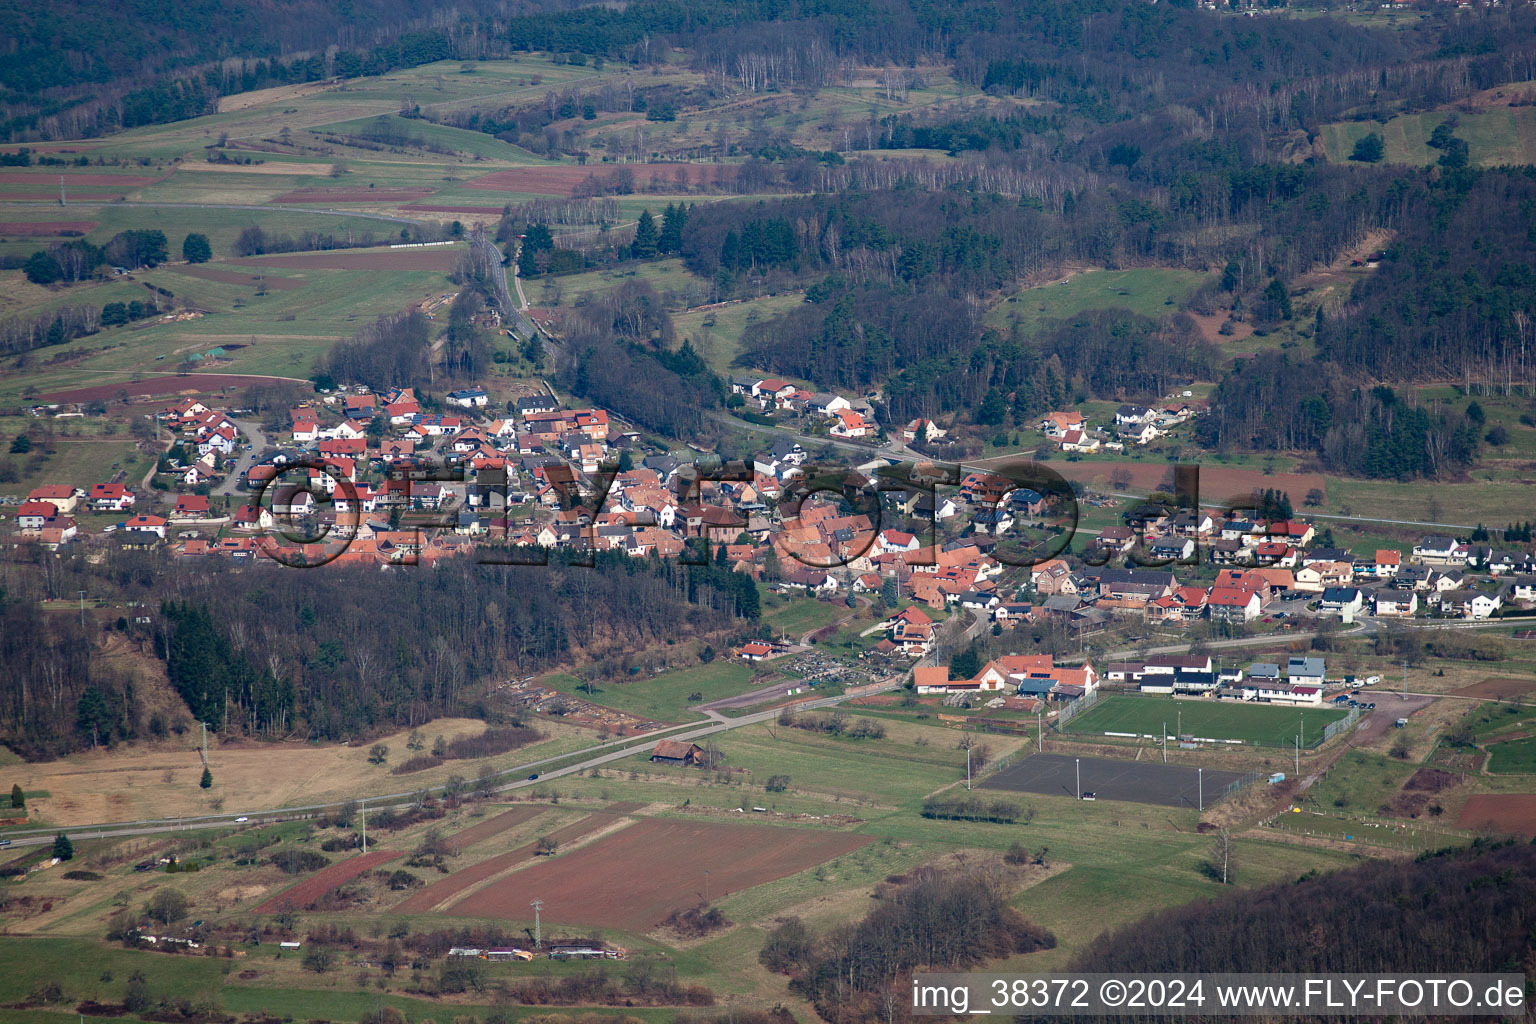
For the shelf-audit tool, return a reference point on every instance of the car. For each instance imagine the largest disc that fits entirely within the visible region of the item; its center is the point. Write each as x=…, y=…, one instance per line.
x=241, y=820
x=1371, y=706
x=1353, y=704
x=533, y=776
x=1090, y=796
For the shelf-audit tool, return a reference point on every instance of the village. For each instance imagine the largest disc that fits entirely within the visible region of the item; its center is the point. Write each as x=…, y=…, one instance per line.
x=374, y=479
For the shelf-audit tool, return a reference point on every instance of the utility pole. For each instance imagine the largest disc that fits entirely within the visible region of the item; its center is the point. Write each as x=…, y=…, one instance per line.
x=1298, y=756
x=365, y=826
x=205, y=743
x=706, y=887
x=538, y=941
x=1200, y=782
x=1040, y=730
x=82, y=607
x=1165, y=743
x=1079, y=762
x=62, y=200
x=967, y=769
x=1405, y=680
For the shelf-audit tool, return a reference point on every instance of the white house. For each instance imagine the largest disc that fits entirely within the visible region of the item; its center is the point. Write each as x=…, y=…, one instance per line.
x=468, y=398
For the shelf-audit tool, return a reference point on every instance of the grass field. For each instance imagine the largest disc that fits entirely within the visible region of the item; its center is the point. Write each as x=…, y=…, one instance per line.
x=1150, y=291
x=1209, y=719
x=1513, y=757
x=1504, y=135
x=663, y=698
x=717, y=332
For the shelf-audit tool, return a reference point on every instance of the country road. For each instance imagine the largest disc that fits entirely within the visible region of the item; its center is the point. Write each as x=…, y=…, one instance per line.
x=602, y=753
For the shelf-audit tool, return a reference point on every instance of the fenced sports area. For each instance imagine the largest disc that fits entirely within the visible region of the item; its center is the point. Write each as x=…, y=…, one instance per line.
x=1168, y=785
x=1123, y=716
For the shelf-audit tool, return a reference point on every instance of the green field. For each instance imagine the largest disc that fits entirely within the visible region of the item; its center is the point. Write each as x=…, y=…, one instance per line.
x=1224, y=720
x=663, y=698
x=1504, y=135
x=1150, y=291
x=1513, y=757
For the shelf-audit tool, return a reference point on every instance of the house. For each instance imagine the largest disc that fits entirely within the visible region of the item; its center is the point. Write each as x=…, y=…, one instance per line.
x=1439, y=551
x=922, y=431
x=191, y=506
x=755, y=651
x=536, y=404
x=1052, y=577
x=1306, y=671
x=1077, y=441
x=1343, y=601
x=468, y=398
x=1137, y=433
x=110, y=498
x=677, y=752
x=1397, y=603
x=31, y=515
x=1471, y=604
x=1057, y=424
x=1134, y=416
x=850, y=424
x=61, y=496
x=1231, y=604
x=823, y=403
x=143, y=525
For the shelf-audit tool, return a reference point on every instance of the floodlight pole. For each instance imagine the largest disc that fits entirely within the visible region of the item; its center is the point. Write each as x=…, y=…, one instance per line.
x=1165, y=743
x=1298, y=756
x=1079, y=762
x=1200, y=782
x=967, y=768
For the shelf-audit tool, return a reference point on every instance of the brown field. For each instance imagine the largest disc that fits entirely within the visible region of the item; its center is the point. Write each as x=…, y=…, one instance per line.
x=495, y=826
x=44, y=227
x=1511, y=813
x=635, y=878
x=140, y=781
x=169, y=384
x=562, y=179
x=440, y=258
x=286, y=167
x=277, y=284
x=353, y=195
x=1497, y=689
x=72, y=178
x=451, y=888
x=323, y=881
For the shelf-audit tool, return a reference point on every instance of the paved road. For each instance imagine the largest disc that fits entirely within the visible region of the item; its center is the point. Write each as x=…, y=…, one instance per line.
x=602, y=753
x=251, y=430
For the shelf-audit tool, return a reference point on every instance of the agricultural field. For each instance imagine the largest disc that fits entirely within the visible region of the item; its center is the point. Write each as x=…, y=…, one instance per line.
x=1207, y=719
x=631, y=879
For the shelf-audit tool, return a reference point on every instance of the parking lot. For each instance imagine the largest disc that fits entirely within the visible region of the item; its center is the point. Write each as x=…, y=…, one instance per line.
x=1109, y=779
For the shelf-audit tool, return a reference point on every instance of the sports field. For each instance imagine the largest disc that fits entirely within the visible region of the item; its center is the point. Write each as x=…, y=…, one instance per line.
x=1206, y=719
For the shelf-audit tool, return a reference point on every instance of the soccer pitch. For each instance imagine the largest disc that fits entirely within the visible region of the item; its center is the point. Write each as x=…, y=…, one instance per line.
x=1208, y=719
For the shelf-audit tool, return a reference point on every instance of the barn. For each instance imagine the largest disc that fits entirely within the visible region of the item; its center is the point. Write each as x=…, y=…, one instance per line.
x=677, y=752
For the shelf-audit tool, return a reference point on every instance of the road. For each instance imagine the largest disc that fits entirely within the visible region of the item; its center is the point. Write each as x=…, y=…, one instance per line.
x=602, y=753
x=251, y=430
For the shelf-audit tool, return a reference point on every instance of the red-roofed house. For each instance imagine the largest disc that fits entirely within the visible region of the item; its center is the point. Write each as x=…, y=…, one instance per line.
x=31, y=515
x=110, y=498
x=62, y=496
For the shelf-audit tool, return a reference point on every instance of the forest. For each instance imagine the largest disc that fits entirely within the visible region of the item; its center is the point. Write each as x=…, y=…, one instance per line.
x=1467, y=909
x=271, y=652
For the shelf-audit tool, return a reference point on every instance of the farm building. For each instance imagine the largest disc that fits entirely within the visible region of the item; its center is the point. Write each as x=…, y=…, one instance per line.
x=677, y=752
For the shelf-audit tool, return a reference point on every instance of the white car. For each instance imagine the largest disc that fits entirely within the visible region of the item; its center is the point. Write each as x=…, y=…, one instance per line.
x=241, y=820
